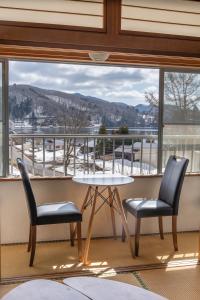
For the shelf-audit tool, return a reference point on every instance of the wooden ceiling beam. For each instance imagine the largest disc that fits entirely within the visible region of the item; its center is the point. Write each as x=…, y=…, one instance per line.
x=71, y=55
x=22, y=39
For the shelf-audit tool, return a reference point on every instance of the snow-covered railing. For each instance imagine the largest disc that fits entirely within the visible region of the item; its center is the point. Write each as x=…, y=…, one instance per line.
x=68, y=155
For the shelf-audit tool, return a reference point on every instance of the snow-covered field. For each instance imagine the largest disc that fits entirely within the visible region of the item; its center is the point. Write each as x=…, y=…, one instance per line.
x=81, y=165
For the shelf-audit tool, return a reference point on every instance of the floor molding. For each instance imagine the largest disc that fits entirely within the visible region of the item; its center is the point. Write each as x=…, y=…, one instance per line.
x=98, y=238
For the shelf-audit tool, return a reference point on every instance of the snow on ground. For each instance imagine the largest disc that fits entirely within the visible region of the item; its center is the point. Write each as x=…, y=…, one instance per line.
x=48, y=156
x=128, y=168
x=146, y=168
x=15, y=171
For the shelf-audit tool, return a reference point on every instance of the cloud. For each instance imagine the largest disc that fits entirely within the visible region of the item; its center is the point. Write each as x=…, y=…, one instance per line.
x=115, y=84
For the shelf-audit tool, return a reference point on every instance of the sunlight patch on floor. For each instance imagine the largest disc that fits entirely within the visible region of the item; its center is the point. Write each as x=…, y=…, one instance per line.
x=164, y=258
x=182, y=263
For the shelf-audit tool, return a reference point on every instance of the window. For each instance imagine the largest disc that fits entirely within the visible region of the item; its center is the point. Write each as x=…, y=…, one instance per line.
x=68, y=119
x=181, y=133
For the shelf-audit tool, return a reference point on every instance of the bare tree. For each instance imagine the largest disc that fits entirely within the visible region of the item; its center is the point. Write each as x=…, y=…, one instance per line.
x=181, y=90
x=74, y=118
x=151, y=98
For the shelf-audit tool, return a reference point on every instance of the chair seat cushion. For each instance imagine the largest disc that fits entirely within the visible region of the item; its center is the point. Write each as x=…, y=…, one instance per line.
x=62, y=212
x=142, y=208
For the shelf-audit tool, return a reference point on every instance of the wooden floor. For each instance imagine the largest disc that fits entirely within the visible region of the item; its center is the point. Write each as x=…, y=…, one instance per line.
x=174, y=275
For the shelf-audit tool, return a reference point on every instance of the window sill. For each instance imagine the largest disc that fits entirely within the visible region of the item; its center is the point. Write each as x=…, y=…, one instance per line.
x=10, y=179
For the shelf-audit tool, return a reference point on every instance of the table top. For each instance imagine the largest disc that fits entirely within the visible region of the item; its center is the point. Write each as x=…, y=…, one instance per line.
x=99, y=288
x=103, y=179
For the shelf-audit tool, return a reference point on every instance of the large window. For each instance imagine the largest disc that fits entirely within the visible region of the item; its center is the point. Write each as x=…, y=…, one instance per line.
x=67, y=119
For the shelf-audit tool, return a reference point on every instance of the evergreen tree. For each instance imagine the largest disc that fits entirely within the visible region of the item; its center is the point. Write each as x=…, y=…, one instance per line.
x=102, y=129
x=123, y=129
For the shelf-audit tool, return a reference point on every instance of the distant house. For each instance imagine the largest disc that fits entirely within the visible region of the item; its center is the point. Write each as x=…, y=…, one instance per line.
x=89, y=147
x=49, y=145
x=147, y=150
x=129, y=152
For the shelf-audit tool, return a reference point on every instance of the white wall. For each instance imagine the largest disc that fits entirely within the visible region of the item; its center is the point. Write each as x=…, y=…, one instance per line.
x=15, y=222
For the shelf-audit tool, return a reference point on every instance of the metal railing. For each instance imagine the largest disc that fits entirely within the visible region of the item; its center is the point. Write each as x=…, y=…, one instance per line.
x=62, y=155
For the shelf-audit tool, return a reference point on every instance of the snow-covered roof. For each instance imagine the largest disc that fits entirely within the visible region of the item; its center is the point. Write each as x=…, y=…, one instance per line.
x=127, y=149
x=91, y=144
x=57, y=142
x=146, y=145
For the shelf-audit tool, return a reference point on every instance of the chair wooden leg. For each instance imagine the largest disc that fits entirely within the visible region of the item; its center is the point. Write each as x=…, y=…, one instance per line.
x=33, y=244
x=112, y=212
x=160, y=221
x=137, y=236
x=123, y=230
x=79, y=239
x=83, y=207
x=29, y=241
x=71, y=234
x=174, y=232
x=123, y=219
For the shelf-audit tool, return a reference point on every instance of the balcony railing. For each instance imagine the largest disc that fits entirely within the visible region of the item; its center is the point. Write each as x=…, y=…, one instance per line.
x=62, y=155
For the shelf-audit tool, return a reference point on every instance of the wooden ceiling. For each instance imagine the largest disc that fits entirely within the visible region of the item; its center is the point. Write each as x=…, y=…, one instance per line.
x=57, y=42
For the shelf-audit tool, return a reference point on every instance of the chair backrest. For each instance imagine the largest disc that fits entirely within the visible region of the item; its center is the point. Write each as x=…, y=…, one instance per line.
x=28, y=191
x=172, y=181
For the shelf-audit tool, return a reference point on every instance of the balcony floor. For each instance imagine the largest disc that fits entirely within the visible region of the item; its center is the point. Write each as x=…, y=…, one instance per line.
x=159, y=268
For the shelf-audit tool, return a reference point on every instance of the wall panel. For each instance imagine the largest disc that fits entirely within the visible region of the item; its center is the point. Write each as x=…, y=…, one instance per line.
x=169, y=17
x=59, y=12
x=15, y=222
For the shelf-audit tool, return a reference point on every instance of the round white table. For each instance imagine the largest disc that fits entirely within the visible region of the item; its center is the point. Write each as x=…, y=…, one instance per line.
x=99, y=288
x=79, y=288
x=98, y=186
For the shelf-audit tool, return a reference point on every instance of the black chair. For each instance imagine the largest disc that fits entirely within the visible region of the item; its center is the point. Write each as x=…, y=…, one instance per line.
x=55, y=213
x=167, y=203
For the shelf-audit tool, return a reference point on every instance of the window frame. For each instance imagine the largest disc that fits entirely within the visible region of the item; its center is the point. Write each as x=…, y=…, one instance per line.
x=5, y=108
x=5, y=118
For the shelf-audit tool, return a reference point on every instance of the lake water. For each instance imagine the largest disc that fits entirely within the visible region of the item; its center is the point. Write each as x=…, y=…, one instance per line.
x=87, y=130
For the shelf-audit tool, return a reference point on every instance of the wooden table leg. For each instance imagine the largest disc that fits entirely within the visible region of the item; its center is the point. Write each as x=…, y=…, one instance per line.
x=123, y=231
x=124, y=221
x=112, y=212
x=89, y=232
x=86, y=199
x=73, y=236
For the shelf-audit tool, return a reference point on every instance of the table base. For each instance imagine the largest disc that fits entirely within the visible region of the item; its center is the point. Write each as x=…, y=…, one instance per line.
x=114, y=202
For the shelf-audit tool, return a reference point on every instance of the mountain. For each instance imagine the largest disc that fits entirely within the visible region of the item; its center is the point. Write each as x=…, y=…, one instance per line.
x=142, y=108
x=27, y=101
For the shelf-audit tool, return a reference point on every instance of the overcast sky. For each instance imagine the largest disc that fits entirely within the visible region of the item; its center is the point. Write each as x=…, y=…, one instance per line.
x=115, y=84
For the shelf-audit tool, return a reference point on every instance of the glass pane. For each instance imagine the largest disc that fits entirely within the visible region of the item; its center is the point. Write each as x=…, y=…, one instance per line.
x=181, y=134
x=1, y=127
x=89, y=118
